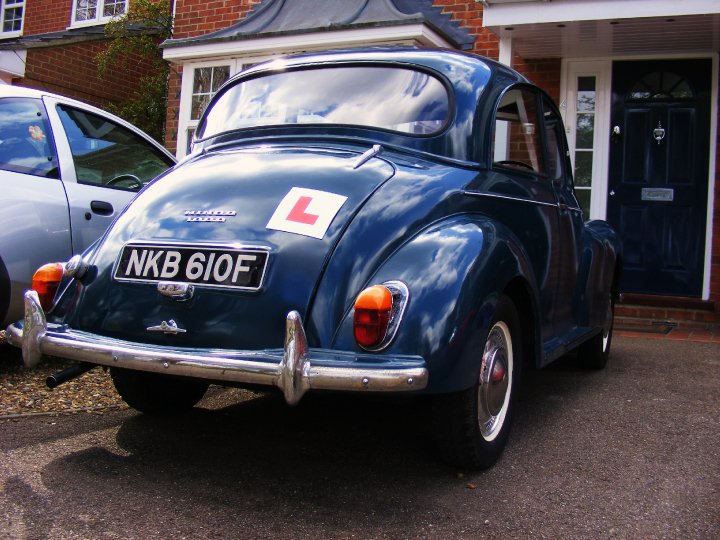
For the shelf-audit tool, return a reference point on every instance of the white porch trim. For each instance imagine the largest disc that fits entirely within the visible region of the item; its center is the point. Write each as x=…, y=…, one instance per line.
x=530, y=12
x=419, y=33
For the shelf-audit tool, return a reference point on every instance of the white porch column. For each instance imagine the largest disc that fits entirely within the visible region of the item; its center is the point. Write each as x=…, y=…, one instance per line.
x=505, y=52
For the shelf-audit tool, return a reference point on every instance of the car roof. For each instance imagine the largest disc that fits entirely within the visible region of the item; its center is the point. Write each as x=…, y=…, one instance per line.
x=475, y=83
x=7, y=90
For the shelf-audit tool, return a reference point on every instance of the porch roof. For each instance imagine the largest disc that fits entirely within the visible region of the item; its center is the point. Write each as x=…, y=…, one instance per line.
x=280, y=18
x=597, y=28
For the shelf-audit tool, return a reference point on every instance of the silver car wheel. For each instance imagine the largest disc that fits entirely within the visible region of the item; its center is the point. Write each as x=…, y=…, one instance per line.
x=496, y=376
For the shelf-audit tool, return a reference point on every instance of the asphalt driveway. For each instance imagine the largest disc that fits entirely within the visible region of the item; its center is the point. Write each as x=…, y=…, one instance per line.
x=629, y=452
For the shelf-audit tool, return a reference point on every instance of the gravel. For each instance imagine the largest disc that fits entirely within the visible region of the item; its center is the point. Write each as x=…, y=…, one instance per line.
x=23, y=391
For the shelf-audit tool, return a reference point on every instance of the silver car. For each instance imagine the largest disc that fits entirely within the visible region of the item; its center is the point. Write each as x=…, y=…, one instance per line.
x=66, y=170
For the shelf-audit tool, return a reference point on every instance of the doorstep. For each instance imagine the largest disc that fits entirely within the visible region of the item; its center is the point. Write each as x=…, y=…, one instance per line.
x=667, y=317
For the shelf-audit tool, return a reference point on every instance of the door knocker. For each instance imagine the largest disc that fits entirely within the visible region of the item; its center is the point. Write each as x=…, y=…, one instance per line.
x=659, y=133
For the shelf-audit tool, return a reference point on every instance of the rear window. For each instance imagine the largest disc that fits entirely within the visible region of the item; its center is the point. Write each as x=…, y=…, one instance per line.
x=397, y=99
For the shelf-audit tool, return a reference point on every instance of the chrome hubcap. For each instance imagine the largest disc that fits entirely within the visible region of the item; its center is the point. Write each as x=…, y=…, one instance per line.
x=495, y=381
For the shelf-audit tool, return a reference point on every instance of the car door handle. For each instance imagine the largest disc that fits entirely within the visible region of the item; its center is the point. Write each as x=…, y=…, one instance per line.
x=101, y=207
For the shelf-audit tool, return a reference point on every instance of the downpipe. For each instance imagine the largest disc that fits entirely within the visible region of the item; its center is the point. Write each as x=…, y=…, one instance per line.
x=53, y=381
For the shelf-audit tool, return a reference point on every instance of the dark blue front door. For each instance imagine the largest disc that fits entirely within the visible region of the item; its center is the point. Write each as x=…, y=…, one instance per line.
x=658, y=184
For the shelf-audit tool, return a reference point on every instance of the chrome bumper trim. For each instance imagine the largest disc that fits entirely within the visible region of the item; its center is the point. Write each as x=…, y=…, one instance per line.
x=294, y=369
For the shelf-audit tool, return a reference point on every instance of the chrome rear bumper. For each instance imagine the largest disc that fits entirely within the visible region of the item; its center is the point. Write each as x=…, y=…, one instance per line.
x=295, y=369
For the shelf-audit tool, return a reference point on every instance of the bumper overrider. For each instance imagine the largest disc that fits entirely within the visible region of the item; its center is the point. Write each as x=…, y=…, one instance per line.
x=295, y=369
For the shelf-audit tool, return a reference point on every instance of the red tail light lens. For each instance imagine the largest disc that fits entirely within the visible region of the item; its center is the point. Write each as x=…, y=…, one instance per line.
x=372, y=316
x=45, y=283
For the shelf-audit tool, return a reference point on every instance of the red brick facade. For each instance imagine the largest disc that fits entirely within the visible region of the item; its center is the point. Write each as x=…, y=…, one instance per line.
x=198, y=17
x=70, y=69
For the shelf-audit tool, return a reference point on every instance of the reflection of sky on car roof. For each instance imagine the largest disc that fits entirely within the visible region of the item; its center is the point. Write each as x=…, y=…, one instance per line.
x=389, y=98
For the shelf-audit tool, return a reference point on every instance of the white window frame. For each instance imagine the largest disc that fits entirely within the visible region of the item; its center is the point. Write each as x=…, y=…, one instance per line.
x=601, y=70
x=14, y=33
x=185, y=123
x=99, y=19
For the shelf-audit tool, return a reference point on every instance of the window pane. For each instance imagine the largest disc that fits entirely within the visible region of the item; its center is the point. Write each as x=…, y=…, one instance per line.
x=659, y=86
x=198, y=106
x=202, y=80
x=220, y=75
x=106, y=154
x=518, y=109
x=25, y=145
x=190, y=134
x=583, y=168
x=586, y=94
x=85, y=10
x=113, y=7
x=585, y=131
x=206, y=81
x=12, y=21
x=583, y=197
x=554, y=157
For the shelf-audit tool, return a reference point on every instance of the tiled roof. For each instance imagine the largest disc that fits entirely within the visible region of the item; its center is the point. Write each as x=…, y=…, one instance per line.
x=287, y=17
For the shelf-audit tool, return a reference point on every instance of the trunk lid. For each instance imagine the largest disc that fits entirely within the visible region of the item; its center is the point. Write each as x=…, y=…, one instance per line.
x=291, y=203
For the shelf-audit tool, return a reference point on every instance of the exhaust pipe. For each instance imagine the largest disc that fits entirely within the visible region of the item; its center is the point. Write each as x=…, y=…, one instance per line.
x=67, y=374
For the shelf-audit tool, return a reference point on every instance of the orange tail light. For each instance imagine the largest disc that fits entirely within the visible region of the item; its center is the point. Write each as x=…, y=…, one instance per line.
x=45, y=283
x=372, y=316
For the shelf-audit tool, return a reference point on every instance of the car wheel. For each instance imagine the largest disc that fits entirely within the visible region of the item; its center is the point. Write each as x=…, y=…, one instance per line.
x=157, y=394
x=472, y=426
x=594, y=353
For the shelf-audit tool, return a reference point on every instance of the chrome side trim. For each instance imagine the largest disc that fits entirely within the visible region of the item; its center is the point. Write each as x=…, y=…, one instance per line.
x=294, y=369
x=508, y=198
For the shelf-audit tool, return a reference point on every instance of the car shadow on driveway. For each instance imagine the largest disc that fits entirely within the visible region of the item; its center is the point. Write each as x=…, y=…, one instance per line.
x=335, y=462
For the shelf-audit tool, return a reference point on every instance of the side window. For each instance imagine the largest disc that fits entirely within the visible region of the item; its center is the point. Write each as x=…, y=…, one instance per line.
x=516, y=142
x=25, y=138
x=554, y=158
x=107, y=154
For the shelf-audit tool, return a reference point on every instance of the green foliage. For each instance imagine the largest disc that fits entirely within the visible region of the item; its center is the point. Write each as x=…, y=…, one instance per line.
x=135, y=36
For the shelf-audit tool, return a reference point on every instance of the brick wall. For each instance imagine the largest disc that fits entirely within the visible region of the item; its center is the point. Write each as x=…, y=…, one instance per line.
x=42, y=16
x=71, y=70
x=171, y=119
x=198, y=17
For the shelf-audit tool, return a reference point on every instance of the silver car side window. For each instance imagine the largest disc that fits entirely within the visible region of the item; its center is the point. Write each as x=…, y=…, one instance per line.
x=107, y=154
x=25, y=138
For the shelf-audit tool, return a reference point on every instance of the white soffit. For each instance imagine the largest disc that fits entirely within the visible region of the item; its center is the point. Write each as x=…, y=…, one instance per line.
x=419, y=33
x=594, y=28
x=12, y=63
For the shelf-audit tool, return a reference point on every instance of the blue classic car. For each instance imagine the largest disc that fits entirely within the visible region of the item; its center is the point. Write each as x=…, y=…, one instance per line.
x=382, y=220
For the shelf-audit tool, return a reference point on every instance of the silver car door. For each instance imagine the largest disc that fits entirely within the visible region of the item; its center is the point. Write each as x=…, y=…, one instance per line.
x=34, y=220
x=104, y=161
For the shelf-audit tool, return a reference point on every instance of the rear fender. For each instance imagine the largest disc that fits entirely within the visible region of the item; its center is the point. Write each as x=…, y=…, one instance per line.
x=598, y=274
x=455, y=271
